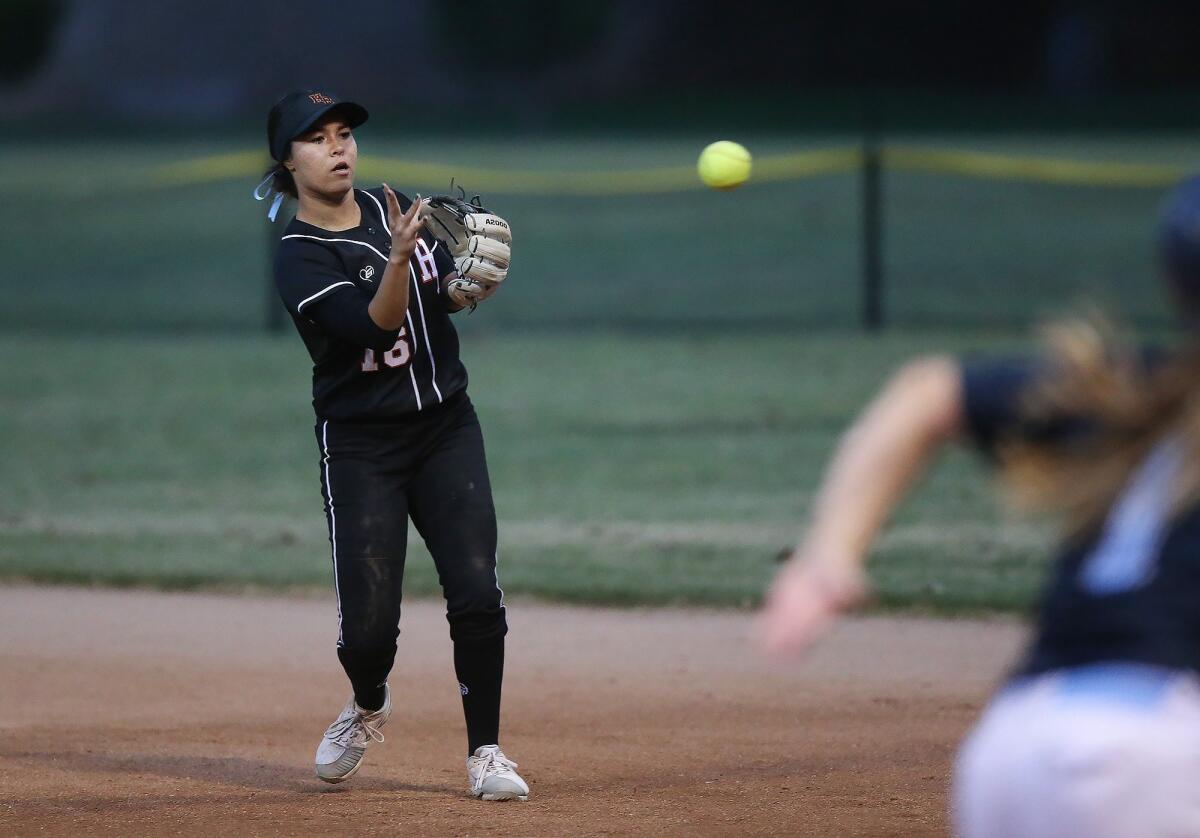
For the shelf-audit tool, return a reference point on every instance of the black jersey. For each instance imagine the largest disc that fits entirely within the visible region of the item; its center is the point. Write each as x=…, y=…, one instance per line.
x=360, y=371
x=1130, y=592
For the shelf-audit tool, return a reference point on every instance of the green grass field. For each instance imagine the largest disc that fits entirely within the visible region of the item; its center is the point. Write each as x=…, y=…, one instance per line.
x=660, y=381
x=626, y=470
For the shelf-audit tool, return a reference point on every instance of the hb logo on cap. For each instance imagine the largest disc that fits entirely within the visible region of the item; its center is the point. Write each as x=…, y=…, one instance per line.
x=320, y=99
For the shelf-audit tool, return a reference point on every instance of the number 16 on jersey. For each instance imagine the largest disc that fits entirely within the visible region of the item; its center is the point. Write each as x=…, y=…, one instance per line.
x=398, y=356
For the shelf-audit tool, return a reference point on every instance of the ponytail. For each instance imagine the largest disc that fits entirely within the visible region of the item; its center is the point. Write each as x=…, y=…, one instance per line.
x=1127, y=406
x=277, y=179
x=282, y=180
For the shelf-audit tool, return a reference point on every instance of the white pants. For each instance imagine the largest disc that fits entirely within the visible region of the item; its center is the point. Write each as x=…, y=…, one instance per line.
x=1108, y=751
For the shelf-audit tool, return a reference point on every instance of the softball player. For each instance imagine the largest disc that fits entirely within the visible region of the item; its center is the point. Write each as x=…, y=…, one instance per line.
x=371, y=293
x=1097, y=732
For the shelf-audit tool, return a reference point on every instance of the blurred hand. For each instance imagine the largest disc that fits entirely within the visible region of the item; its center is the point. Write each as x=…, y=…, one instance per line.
x=806, y=596
x=406, y=226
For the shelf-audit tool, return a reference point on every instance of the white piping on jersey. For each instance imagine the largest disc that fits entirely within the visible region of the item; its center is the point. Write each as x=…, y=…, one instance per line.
x=421, y=307
x=425, y=330
x=496, y=576
x=382, y=214
x=437, y=285
x=300, y=306
x=436, y=242
x=348, y=241
x=337, y=591
x=412, y=376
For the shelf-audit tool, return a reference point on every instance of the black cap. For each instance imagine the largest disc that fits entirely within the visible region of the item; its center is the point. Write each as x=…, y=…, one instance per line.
x=299, y=111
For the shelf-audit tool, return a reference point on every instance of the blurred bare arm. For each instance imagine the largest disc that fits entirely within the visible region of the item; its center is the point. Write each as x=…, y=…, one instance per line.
x=877, y=460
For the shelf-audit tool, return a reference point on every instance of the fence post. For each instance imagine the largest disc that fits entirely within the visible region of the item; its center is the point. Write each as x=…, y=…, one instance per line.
x=872, y=233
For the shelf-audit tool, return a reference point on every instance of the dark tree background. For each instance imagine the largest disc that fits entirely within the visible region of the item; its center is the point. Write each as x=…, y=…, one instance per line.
x=540, y=59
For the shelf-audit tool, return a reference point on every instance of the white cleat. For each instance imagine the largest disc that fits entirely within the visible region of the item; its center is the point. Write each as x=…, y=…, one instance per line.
x=493, y=776
x=341, y=752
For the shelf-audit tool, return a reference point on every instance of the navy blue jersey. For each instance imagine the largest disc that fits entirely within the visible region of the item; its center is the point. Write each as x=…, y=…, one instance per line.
x=360, y=371
x=1129, y=592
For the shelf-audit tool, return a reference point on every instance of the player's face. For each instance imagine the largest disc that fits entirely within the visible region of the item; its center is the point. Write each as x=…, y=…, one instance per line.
x=324, y=159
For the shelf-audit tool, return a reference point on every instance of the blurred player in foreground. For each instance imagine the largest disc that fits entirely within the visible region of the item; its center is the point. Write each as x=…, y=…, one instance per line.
x=371, y=292
x=1097, y=732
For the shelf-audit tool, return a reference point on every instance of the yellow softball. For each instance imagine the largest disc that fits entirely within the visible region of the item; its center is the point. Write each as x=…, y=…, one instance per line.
x=724, y=165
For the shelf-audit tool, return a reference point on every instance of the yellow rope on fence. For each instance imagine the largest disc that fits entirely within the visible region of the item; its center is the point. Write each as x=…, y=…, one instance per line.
x=600, y=183
x=239, y=165
x=246, y=165
x=769, y=168
x=981, y=164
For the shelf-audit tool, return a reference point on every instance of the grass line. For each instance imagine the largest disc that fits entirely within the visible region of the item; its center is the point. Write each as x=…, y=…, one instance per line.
x=189, y=463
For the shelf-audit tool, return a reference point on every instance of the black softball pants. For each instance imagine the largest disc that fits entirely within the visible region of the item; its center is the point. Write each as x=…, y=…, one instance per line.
x=430, y=467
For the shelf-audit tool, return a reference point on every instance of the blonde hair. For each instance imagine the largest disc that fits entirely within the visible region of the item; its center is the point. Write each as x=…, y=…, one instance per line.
x=1124, y=405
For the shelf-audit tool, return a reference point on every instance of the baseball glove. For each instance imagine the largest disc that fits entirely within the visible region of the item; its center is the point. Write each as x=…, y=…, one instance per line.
x=479, y=241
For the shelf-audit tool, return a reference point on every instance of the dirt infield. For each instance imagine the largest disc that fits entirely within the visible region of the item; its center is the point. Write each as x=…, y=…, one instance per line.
x=179, y=714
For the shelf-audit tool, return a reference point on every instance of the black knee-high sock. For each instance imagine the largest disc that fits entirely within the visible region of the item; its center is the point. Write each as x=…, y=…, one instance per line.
x=480, y=670
x=368, y=670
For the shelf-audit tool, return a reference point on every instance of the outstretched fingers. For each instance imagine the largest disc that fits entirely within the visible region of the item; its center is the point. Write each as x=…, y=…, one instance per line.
x=410, y=225
x=412, y=216
x=393, y=206
x=405, y=226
